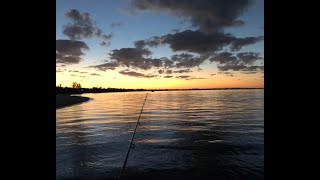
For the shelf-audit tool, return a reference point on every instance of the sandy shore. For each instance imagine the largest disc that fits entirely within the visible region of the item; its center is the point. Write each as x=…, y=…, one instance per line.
x=67, y=100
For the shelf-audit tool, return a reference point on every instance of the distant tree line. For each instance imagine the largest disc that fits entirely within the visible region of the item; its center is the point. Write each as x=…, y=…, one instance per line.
x=77, y=89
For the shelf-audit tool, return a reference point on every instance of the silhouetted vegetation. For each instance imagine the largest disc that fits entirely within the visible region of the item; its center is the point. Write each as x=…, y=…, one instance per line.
x=76, y=85
x=77, y=89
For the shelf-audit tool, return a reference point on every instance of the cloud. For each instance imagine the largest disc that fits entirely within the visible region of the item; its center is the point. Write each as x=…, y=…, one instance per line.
x=250, y=72
x=212, y=74
x=254, y=68
x=140, y=58
x=248, y=57
x=238, y=43
x=106, y=66
x=198, y=42
x=167, y=63
x=94, y=74
x=115, y=24
x=59, y=70
x=107, y=36
x=104, y=43
x=235, y=66
x=183, y=77
x=227, y=61
x=167, y=76
x=206, y=15
x=225, y=73
x=160, y=71
x=135, y=58
x=151, y=42
x=187, y=60
x=82, y=26
x=223, y=58
x=186, y=77
x=239, y=66
x=169, y=71
x=69, y=51
x=83, y=72
x=195, y=78
x=136, y=74
x=183, y=71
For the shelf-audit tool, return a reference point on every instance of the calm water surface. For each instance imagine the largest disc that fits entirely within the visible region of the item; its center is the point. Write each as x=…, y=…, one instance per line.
x=205, y=134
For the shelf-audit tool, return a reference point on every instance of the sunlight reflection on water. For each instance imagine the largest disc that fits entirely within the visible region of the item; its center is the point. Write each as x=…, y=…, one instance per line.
x=217, y=133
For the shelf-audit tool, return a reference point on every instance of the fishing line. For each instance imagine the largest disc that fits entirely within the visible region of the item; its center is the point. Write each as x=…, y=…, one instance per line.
x=131, y=146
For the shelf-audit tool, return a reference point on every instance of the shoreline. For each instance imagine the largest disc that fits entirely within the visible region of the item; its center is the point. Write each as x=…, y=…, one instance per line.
x=67, y=100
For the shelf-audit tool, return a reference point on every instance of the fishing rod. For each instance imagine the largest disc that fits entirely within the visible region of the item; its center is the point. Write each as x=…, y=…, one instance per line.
x=131, y=144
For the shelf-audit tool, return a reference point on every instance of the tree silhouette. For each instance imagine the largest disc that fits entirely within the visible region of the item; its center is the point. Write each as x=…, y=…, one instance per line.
x=76, y=85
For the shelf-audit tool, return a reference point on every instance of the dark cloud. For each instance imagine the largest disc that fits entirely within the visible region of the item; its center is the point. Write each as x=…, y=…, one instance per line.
x=248, y=57
x=207, y=15
x=82, y=26
x=223, y=58
x=139, y=58
x=239, y=66
x=167, y=63
x=59, y=70
x=83, y=72
x=235, y=66
x=187, y=60
x=115, y=24
x=183, y=77
x=212, y=74
x=238, y=43
x=136, y=74
x=106, y=66
x=169, y=71
x=183, y=71
x=82, y=76
x=227, y=61
x=198, y=42
x=195, y=78
x=151, y=42
x=160, y=71
x=225, y=73
x=254, y=68
x=167, y=76
x=94, y=74
x=135, y=58
x=250, y=72
x=69, y=51
x=104, y=43
x=107, y=36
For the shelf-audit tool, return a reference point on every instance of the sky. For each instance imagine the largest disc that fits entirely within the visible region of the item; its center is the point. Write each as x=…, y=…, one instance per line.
x=160, y=44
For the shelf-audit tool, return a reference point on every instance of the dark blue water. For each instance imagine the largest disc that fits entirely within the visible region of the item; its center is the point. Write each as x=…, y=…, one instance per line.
x=214, y=134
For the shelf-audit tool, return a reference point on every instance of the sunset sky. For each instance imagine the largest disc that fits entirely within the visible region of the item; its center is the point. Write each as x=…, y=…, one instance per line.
x=160, y=43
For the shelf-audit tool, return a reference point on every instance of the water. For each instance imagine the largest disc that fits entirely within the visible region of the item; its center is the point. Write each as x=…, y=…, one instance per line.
x=205, y=134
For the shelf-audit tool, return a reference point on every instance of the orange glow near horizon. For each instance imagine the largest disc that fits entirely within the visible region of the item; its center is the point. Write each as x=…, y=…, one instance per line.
x=113, y=79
